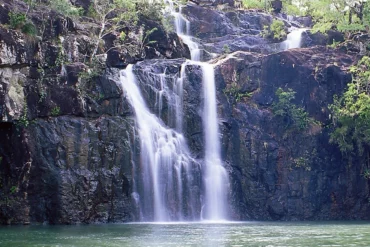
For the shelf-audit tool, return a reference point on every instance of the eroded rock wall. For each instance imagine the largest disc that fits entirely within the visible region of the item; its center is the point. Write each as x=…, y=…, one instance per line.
x=278, y=172
x=68, y=144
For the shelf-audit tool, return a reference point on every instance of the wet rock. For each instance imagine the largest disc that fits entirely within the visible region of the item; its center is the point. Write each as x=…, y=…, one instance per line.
x=277, y=172
x=68, y=141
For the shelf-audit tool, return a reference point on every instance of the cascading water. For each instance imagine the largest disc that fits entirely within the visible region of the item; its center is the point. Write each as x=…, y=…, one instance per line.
x=166, y=166
x=293, y=40
x=165, y=180
x=216, y=178
x=182, y=26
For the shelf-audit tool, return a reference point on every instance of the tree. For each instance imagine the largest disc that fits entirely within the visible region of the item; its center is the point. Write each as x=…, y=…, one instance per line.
x=343, y=15
x=351, y=112
x=293, y=115
x=110, y=14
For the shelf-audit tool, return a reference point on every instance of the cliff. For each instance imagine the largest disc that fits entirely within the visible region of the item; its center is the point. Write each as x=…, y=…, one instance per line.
x=68, y=142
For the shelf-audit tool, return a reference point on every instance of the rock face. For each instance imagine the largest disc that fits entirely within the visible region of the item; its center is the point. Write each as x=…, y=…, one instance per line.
x=67, y=134
x=278, y=172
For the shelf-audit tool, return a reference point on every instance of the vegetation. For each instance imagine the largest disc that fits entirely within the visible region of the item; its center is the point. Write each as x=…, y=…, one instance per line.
x=291, y=114
x=234, y=92
x=20, y=21
x=13, y=189
x=343, y=15
x=55, y=111
x=253, y=4
x=351, y=112
x=277, y=30
x=226, y=49
x=23, y=119
x=17, y=20
x=66, y=8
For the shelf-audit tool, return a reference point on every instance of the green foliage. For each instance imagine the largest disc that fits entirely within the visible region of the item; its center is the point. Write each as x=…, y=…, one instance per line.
x=65, y=8
x=254, y=4
x=55, y=111
x=276, y=30
x=23, y=119
x=61, y=58
x=343, y=15
x=144, y=38
x=91, y=12
x=29, y=29
x=302, y=162
x=17, y=20
x=366, y=173
x=167, y=23
x=111, y=15
x=13, y=190
x=233, y=92
x=351, y=112
x=151, y=10
x=333, y=45
x=122, y=36
x=226, y=49
x=295, y=116
x=291, y=9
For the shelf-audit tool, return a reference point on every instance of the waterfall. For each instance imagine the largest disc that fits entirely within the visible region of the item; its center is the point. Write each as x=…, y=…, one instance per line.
x=293, y=40
x=216, y=178
x=167, y=179
x=166, y=166
x=182, y=27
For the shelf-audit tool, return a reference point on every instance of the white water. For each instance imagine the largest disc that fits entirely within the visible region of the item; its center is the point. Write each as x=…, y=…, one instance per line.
x=293, y=40
x=165, y=180
x=164, y=158
x=182, y=26
x=216, y=178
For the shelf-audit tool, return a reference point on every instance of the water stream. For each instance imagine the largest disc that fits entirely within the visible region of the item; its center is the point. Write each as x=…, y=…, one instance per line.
x=167, y=174
x=294, y=39
x=166, y=166
x=215, y=177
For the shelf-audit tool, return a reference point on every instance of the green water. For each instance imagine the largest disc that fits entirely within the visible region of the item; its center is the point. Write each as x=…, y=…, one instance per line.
x=194, y=234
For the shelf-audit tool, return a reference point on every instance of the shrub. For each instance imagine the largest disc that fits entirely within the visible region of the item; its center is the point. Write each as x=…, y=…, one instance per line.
x=226, y=49
x=290, y=9
x=253, y=4
x=17, y=20
x=351, y=112
x=295, y=116
x=65, y=7
x=13, y=190
x=55, y=111
x=29, y=29
x=151, y=10
x=277, y=29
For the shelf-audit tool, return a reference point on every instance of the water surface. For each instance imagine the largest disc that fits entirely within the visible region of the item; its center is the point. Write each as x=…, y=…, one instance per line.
x=191, y=234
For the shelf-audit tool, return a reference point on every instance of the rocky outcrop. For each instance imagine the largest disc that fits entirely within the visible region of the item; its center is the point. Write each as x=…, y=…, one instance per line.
x=235, y=30
x=54, y=105
x=278, y=172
